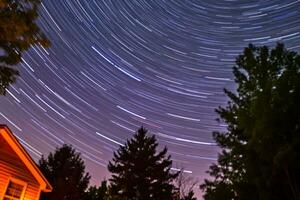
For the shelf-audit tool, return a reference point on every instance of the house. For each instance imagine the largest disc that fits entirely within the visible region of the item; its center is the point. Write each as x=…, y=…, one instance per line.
x=20, y=177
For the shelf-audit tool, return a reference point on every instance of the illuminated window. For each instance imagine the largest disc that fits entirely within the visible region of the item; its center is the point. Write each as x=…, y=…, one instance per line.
x=14, y=190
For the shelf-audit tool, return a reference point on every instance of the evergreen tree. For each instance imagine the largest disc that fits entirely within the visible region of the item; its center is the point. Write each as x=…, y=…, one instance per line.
x=97, y=193
x=18, y=31
x=139, y=172
x=65, y=171
x=260, y=156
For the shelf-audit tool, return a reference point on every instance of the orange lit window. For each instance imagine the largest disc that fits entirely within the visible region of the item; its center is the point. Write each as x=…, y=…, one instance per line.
x=15, y=190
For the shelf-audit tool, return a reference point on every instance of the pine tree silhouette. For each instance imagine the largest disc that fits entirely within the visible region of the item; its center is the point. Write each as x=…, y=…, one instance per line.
x=65, y=170
x=139, y=172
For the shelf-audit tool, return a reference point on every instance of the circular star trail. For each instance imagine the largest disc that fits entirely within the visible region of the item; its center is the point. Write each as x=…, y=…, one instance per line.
x=115, y=66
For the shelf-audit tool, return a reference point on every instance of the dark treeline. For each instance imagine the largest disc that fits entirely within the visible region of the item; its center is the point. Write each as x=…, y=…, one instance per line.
x=139, y=172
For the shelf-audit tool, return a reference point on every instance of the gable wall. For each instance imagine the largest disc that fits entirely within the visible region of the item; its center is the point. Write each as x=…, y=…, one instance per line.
x=12, y=166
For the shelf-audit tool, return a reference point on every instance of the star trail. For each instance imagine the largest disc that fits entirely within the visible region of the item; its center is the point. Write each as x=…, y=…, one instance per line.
x=115, y=66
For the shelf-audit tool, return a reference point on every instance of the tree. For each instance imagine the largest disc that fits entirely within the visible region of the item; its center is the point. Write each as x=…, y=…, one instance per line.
x=260, y=157
x=185, y=185
x=18, y=31
x=139, y=172
x=65, y=171
x=97, y=193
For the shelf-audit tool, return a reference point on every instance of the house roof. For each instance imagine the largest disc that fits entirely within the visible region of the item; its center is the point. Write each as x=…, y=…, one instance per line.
x=25, y=157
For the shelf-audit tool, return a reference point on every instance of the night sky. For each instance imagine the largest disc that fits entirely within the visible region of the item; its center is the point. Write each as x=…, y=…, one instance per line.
x=117, y=65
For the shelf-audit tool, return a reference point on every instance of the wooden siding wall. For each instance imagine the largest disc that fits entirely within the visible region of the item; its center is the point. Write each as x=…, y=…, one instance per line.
x=12, y=166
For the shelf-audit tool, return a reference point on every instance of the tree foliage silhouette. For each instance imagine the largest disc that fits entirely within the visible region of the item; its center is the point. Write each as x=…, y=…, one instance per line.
x=139, y=172
x=260, y=156
x=18, y=31
x=97, y=193
x=65, y=171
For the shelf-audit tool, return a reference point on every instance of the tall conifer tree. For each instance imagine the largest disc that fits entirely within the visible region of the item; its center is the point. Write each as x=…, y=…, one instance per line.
x=260, y=156
x=139, y=172
x=65, y=171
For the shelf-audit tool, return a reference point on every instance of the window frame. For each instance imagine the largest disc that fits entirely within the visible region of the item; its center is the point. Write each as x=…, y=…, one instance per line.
x=16, y=181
